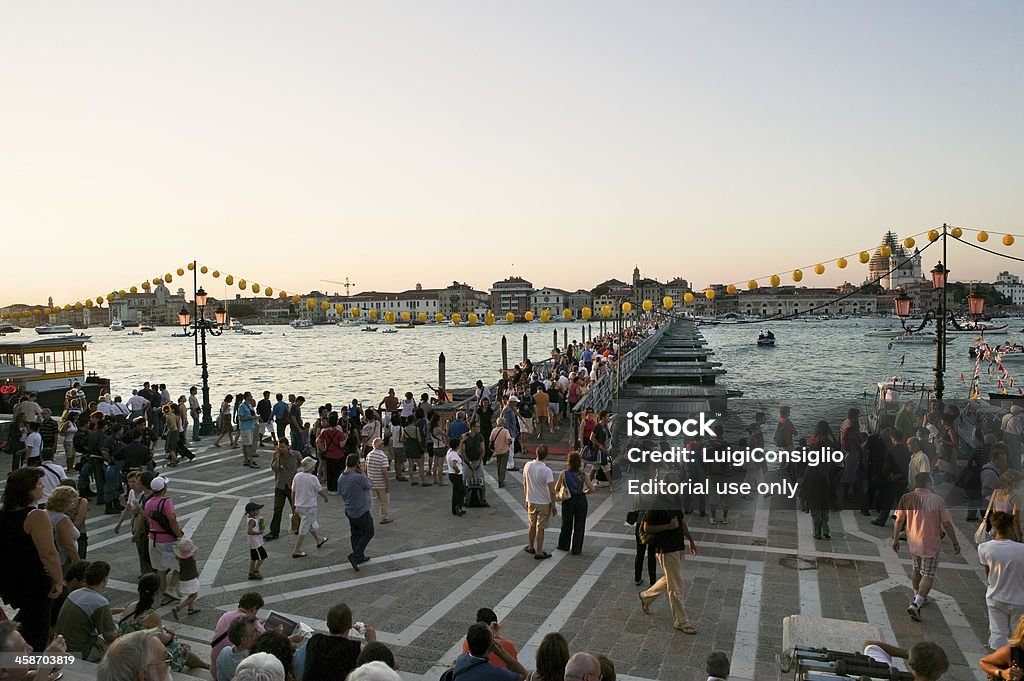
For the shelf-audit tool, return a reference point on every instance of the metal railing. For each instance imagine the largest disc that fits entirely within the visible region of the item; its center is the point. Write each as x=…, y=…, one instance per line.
x=605, y=390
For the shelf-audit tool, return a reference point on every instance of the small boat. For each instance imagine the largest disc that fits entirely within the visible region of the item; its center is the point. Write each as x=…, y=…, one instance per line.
x=180, y=334
x=75, y=336
x=977, y=329
x=55, y=330
x=369, y=328
x=117, y=325
x=391, y=329
x=405, y=326
x=909, y=338
x=9, y=328
x=301, y=324
x=884, y=333
x=146, y=327
x=134, y=333
x=766, y=339
x=248, y=332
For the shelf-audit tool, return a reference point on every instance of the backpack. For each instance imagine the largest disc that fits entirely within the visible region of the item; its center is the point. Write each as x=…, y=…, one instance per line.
x=969, y=479
x=78, y=441
x=160, y=518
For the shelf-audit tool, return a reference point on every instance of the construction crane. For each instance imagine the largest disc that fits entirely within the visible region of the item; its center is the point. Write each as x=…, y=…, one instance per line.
x=347, y=284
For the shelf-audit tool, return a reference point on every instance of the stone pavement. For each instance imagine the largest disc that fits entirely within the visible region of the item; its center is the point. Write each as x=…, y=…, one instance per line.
x=430, y=572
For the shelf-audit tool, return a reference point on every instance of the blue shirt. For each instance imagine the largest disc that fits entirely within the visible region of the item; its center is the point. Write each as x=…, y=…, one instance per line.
x=228, y=661
x=246, y=417
x=481, y=671
x=456, y=429
x=355, y=492
x=280, y=410
x=510, y=420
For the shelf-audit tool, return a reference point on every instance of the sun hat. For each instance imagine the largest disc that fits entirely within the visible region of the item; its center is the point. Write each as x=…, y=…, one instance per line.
x=308, y=464
x=184, y=548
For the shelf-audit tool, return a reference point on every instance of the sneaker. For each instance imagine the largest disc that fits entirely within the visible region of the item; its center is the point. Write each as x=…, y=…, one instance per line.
x=914, y=611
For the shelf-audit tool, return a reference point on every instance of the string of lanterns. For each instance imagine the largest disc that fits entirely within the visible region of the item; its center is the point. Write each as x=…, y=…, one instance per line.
x=773, y=280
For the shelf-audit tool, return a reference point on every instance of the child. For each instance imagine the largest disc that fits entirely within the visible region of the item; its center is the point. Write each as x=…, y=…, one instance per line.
x=455, y=463
x=255, y=529
x=188, y=576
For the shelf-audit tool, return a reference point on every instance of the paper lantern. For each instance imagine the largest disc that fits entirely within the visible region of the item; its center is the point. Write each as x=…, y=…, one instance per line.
x=489, y=318
x=647, y=305
x=110, y=297
x=667, y=302
x=864, y=256
x=216, y=274
x=909, y=242
x=774, y=280
x=752, y=285
x=156, y=281
x=78, y=306
x=627, y=307
x=325, y=306
x=255, y=288
x=57, y=310
x=819, y=269
x=841, y=263
x=566, y=314
x=229, y=280
x=886, y=251
x=296, y=298
x=134, y=289
x=46, y=310
x=121, y=293
x=528, y=316
x=545, y=316
x=5, y=315
x=510, y=317
x=406, y=316
x=586, y=313
x=456, y=318
x=687, y=297
x=191, y=266
x=282, y=295
x=473, y=318
x=933, y=235
x=956, y=232
x=269, y=292
x=606, y=311
x=181, y=272
x=389, y=317
x=145, y=285
x=709, y=294
x=731, y=289
x=355, y=312
x=438, y=317
x=241, y=284
x=89, y=303
x=374, y=314
x=797, y=275
x=982, y=237
x=1007, y=239
x=422, y=317
x=204, y=269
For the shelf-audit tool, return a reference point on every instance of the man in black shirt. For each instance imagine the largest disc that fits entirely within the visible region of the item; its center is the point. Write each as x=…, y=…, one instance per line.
x=473, y=474
x=894, y=476
x=136, y=453
x=667, y=528
x=265, y=411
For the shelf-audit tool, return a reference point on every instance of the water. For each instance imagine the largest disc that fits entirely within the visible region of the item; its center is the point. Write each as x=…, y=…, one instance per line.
x=830, y=360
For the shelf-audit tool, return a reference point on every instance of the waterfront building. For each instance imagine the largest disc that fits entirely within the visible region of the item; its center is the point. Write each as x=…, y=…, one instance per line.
x=1010, y=286
x=553, y=299
x=414, y=301
x=156, y=306
x=908, y=274
x=676, y=288
x=511, y=295
x=645, y=289
x=788, y=300
x=462, y=299
x=577, y=300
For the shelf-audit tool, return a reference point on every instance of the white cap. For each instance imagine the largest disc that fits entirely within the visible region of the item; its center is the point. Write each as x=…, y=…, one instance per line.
x=159, y=483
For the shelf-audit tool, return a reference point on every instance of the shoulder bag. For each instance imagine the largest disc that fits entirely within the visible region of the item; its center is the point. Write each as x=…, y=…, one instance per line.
x=562, y=492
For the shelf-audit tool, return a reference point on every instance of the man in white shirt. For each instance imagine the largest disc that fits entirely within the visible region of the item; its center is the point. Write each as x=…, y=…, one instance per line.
x=104, y=407
x=455, y=466
x=29, y=407
x=925, y=660
x=305, y=490
x=919, y=462
x=1003, y=559
x=33, y=445
x=539, y=487
x=377, y=469
x=137, y=404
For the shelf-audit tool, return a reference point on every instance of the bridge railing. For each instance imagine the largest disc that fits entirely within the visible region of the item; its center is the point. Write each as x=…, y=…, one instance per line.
x=601, y=395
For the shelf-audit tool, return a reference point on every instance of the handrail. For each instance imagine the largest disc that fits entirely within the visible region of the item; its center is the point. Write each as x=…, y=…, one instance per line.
x=601, y=395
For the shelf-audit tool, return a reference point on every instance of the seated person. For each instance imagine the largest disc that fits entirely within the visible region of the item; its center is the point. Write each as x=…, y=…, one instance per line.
x=474, y=666
x=13, y=643
x=242, y=634
x=488, y=617
x=333, y=655
x=925, y=660
x=85, y=616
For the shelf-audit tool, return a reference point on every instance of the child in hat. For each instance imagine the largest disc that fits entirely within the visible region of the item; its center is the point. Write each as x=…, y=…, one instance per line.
x=188, y=577
x=254, y=530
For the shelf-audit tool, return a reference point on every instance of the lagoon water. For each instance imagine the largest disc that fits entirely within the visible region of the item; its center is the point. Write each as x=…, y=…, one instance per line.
x=817, y=360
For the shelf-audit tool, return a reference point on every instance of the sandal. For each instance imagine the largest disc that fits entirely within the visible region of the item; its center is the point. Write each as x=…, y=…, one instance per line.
x=174, y=613
x=299, y=555
x=167, y=600
x=542, y=556
x=322, y=543
x=530, y=549
x=689, y=630
x=195, y=610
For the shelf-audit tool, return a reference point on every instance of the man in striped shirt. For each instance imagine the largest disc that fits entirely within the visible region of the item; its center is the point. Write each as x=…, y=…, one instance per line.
x=377, y=468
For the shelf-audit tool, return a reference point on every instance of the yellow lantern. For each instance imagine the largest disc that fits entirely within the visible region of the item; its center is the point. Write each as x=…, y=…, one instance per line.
x=241, y=284
x=841, y=263
x=145, y=286
x=586, y=312
x=282, y=295
x=310, y=303
x=229, y=280
x=687, y=297
x=156, y=281
x=338, y=308
x=473, y=318
x=5, y=315
x=545, y=316
x=46, y=310
x=489, y=318
x=1007, y=239
x=204, y=269
x=438, y=317
x=325, y=306
x=78, y=306
x=255, y=288
x=456, y=319
x=374, y=314
x=510, y=317
x=134, y=289
x=121, y=293
x=956, y=232
x=627, y=307
x=355, y=312
x=191, y=266
x=864, y=256
x=269, y=292
x=406, y=316
x=933, y=235
x=797, y=275
x=422, y=317
x=886, y=251
x=89, y=303
x=56, y=310
x=774, y=280
x=667, y=302
x=216, y=274
x=752, y=285
x=528, y=316
x=819, y=269
x=709, y=294
x=909, y=242
x=110, y=297
x=731, y=289
x=647, y=305
x=566, y=314
x=606, y=311
x=296, y=298
x=181, y=272
x=982, y=237
x=389, y=317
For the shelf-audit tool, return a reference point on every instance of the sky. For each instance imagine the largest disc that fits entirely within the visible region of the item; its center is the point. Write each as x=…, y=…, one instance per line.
x=402, y=143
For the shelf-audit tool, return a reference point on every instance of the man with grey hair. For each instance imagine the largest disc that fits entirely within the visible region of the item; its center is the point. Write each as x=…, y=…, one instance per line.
x=377, y=468
x=138, y=656
x=372, y=671
x=583, y=667
x=260, y=667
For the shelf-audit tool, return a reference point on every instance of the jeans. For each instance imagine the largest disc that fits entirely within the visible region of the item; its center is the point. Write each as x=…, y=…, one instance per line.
x=820, y=518
x=458, y=492
x=112, y=482
x=280, y=496
x=361, y=529
x=574, y=523
x=195, y=429
x=298, y=442
x=83, y=478
x=638, y=563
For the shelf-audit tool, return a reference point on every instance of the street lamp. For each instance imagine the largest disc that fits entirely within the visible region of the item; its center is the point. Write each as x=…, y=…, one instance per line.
x=198, y=326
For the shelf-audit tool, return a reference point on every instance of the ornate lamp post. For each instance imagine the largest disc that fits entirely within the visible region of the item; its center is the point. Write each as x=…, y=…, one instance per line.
x=198, y=326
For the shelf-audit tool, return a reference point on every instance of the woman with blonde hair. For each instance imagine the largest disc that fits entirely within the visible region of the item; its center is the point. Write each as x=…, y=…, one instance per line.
x=62, y=501
x=67, y=429
x=1006, y=662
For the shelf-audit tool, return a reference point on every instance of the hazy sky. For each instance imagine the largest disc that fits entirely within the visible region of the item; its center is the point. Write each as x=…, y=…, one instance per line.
x=397, y=143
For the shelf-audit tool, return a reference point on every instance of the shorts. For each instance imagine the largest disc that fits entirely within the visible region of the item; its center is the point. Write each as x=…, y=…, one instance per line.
x=307, y=522
x=266, y=427
x=188, y=587
x=440, y=452
x=162, y=557
x=258, y=553
x=925, y=565
x=247, y=438
x=539, y=515
x=553, y=408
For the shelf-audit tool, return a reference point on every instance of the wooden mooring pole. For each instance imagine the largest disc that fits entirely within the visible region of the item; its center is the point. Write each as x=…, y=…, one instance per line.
x=504, y=355
x=440, y=373
x=526, y=342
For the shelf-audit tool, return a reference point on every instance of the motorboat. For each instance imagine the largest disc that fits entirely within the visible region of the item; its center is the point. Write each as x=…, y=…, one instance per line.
x=180, y=334
x=117, y=325
x=885, y=333
x=236, y=325
x=9, y=328
x=391, y=329
x=909, y=338
x=301, y=324
x=369, y=328
x=248, y=332
x=146, y=327
x=765, y=339
x=408, y=325
x=135, y=333
x=74, y=337
x=55, y=330
x=977, y=329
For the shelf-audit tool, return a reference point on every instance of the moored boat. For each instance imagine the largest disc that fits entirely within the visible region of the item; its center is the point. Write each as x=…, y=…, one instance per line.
x=301, y=324
x=54, y=330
